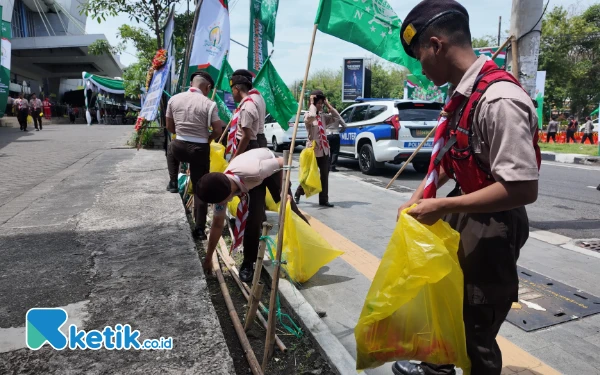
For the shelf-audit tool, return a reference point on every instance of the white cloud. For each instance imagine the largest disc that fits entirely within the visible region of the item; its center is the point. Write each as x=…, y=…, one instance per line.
x=295, y=24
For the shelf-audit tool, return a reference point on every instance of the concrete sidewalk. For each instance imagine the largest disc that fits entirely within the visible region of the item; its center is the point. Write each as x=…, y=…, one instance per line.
x=105, y=241
x=361, y=224
x=570, y=158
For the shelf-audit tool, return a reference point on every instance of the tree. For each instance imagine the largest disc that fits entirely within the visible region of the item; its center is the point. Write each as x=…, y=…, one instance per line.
x=484, y=41
x=147, y=12
x=570, y=55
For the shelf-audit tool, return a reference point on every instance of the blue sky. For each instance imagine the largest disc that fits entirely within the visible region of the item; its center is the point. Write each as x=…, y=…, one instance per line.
x=294, y=27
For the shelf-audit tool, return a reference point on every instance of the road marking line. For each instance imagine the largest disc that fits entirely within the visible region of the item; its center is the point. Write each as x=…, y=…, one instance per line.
x=367, y=264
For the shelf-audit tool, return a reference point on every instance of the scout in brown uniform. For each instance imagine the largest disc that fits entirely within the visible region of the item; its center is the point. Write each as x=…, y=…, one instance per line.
x=250, y=116
x=488, y=143
x=22, y=107
x=36, y=111
x=248, y=172
x=189, y=115
x=317, y=122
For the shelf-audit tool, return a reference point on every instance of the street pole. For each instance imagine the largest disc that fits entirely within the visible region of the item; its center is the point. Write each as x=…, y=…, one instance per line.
x=526, y=26
x=499, y=28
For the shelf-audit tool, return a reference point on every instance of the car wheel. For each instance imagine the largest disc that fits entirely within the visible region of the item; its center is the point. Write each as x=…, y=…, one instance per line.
x=421, y=167
x=366, y=160
x=276, y=146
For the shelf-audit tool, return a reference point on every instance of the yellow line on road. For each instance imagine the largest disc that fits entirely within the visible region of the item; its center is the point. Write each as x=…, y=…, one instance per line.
x=515, y=359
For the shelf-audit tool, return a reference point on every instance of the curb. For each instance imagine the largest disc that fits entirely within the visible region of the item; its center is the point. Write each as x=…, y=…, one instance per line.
x=571, y=158
x=330, y=347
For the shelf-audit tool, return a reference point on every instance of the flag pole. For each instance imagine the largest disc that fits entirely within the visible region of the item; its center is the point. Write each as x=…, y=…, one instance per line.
x=188, y=51
x=226, y=130
x=407, y=162
x=282, y=209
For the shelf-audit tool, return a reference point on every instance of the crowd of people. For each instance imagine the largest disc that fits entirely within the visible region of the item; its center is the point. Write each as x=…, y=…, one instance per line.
x=496, y=170
x=23, y=108
x=572, y=128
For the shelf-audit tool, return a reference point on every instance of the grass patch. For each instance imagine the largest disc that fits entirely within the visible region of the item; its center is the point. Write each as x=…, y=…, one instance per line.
x=570, y=148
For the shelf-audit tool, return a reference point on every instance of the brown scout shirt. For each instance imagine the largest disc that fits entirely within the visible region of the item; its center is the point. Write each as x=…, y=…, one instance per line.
x=331, y=121
x=249, y=119
x=189, y=110
x=505, y=121
x=262, y=111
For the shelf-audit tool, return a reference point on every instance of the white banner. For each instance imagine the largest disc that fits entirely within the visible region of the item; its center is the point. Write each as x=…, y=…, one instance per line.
x=211, y=40
x=6, y=53
x=150, y=106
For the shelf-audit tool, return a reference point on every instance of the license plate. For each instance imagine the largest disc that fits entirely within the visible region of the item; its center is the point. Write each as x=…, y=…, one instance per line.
x=428, y=144
x=421, y=132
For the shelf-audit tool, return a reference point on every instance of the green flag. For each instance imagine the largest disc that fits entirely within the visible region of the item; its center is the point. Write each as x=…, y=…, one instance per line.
x=267, y=15
x=225, y=74
x=278, y=98
x=257, y=43
x=224, y=112
x=372, y=25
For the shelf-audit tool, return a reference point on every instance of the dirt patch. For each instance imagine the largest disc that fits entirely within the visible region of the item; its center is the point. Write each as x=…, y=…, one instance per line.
x=302, y=356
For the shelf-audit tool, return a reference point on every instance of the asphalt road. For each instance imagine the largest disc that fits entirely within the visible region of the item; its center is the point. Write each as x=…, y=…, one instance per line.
x=568, y=202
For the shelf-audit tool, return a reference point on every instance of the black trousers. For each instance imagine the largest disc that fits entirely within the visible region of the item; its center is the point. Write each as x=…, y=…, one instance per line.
x=198, y=157
x=334, y=152
x=570, y=136
x=22, y=117
x=489, y=248
x=551, y=135
x=256, y=210
x=37, y=118
x=323, y=163
x=262, y=140
x=587, y=136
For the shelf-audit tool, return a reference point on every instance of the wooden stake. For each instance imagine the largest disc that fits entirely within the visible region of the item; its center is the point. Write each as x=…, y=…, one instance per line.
x=230, y=263
x=432, y=132
x=252, y=361
x=226, y=130
x=256, y=280
x=255, y=297
x=284, y=197
x=502, y=47
x=515, y=57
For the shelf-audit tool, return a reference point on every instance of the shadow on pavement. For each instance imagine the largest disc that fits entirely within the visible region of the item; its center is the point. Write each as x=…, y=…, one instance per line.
x=9, y=135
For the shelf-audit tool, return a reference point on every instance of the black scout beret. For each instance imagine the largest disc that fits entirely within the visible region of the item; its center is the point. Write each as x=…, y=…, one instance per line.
x=204, y=75
x=422, y=16
x=241, y=76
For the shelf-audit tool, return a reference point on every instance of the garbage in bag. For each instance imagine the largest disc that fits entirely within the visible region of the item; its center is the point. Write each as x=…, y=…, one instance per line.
x=269, y=202
x=413, y=310
x=304, y=250
x=232, y=205
x=217, y=158
x=29, y=120
x=310, y=179
x=182, y=179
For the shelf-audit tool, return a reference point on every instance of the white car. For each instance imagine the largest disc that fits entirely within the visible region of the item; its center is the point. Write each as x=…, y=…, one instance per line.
x=388, y=131
x=279, y=138
x=596, y=126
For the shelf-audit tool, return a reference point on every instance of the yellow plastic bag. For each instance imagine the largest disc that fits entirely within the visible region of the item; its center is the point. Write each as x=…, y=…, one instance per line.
x=414, y=307
x=29, y=120
x=269, y=202
x=304, y=250
x=232, y=205
x=217, y=158
x=310, y=179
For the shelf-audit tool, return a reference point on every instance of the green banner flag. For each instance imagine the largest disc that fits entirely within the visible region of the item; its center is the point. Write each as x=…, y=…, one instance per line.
x=222, y=82
x=278, y=98
x=373, y=26
x=5, y=64
x=268, y=14
x=224, y=112
x=257, y=45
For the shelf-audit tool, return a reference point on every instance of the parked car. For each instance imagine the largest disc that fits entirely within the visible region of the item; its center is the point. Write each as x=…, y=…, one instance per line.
x=595, y=123
x=279, y=139
x=388, y=131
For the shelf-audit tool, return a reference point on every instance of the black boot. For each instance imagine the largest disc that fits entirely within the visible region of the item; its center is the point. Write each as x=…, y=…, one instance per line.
x=297, y=198
x=246, y=272
x=172, y=187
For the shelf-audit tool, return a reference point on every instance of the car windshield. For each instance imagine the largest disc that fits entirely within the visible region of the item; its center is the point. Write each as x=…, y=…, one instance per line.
x=419, y=114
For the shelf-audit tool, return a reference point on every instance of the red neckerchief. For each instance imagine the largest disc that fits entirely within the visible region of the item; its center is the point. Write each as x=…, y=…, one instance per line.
x=231, y=138
x=323, y=142
x=439, y=140
x=241, y=216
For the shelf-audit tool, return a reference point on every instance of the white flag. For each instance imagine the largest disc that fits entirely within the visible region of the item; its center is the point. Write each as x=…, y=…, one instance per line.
x=211, y=39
